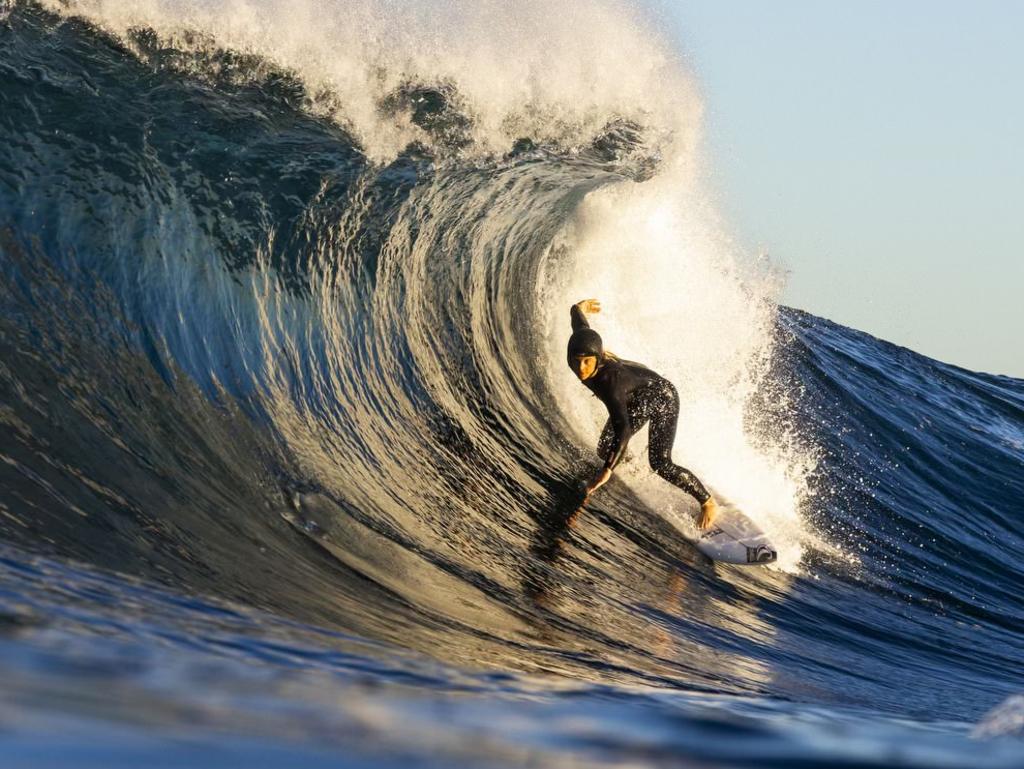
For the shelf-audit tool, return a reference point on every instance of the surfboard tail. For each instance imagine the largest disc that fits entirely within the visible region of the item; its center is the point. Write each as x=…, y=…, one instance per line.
x=761, y=554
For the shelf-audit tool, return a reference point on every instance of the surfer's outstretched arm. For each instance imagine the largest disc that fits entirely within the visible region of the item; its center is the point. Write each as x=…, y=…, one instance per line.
x=612, y=445
x=579, y=313
x=618, y=418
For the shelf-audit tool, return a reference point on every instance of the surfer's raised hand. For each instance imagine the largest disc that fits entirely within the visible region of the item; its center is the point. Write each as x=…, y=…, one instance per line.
x=708, y=511
x=591, y=306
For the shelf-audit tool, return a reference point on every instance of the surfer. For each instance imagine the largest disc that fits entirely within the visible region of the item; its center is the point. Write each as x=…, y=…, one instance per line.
x=633, y=395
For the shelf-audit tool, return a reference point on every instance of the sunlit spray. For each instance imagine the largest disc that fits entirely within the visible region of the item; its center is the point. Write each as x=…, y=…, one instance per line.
x=680, y=298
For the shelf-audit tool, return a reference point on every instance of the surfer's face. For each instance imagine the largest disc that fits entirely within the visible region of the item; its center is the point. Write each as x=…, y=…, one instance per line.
x=585, y=366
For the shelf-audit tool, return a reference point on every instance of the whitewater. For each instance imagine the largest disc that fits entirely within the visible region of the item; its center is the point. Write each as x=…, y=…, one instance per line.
x=288, y=445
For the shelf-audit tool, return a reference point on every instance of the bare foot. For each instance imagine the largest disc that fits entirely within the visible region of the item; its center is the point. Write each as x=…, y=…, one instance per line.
x=708, y=511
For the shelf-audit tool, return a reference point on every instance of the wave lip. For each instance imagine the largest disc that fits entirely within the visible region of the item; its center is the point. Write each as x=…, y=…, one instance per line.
x=357, y=59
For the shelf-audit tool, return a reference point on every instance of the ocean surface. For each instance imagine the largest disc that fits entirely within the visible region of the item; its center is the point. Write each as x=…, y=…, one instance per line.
x=289, y=449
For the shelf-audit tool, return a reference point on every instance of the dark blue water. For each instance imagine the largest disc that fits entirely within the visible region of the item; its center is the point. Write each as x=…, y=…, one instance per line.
x=282, y=478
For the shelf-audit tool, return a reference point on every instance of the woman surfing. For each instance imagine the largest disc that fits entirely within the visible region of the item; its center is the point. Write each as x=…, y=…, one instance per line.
x=633, y=395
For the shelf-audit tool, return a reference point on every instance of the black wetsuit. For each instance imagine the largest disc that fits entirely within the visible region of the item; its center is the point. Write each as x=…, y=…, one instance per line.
x=633, y=395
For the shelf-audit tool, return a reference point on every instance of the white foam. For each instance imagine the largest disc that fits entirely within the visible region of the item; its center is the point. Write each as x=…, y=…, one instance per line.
x=1005, y=720
x=533, y=68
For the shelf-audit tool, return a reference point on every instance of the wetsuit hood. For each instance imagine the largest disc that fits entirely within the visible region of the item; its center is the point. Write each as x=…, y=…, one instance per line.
x=584, y=341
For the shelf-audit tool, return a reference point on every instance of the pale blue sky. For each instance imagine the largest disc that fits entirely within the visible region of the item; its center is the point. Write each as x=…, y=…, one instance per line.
x=876, y=150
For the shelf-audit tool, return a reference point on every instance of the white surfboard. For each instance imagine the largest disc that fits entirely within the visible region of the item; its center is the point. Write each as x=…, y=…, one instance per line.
x=734, y=538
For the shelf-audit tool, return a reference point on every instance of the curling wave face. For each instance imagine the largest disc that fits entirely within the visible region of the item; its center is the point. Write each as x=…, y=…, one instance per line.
x=279, y=332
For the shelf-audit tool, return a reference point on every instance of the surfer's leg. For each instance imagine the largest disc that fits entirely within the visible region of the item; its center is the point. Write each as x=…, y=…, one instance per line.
x=662, y=434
